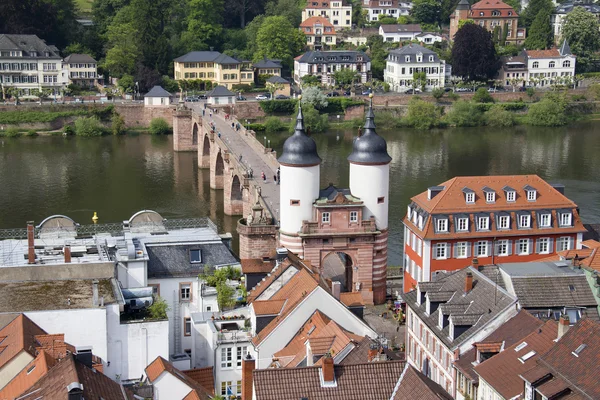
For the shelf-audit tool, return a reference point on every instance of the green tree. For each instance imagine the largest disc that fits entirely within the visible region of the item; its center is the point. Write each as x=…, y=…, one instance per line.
x=497, y=116
x=464, y=22
x=580, y=29
x=419, y=80
x=540, y=35
x=117, y=124
x=550, y=111
x=437, y=93
x=289, y=9
x=426, y=11
x=474, y=54
x=315, y=97
x=534, y=8
x=204, y=24
x=78, y=48
x=378, y=54
x=405, y=19
x=358, y=16
x=123, y=52
x=482, y=96
x=422, y=114
x=225, y=296
x=464, y=113
x=251, y=30
x=310, y=80
x=159, y=126
x=126, y=83
x=158, y=309
x=277, y=38
x=88, y=126
x=345, y=76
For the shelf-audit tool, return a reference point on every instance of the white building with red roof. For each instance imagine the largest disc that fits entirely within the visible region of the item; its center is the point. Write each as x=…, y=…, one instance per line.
x=545, y=67
x=320, y=33
x=496, y=219
x=338, y=12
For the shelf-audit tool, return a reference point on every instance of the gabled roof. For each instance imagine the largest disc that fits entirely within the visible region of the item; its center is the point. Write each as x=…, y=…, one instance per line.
x=207, y=56
x=160, y=366
x=204, y=377
x=352, y=299
x=565, y=49
x=79, y=58
x=332, y=56
x=371, y=381
x=318, y=20
x=157, y=91
x=220, y=91
x=27, y=44
x=277, y=79
x=267, y=63
x=257, y=266
x=502, y=371
x=572, y=363
x=395, y=28
x=414, y=385
x=171, y=261
x=550, y=53
x=96, y=385
x=18, y=336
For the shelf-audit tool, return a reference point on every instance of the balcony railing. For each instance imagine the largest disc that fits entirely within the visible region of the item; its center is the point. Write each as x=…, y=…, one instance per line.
x=233, y=337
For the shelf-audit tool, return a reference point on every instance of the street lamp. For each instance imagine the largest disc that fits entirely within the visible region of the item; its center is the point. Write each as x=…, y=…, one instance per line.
x=265, y=143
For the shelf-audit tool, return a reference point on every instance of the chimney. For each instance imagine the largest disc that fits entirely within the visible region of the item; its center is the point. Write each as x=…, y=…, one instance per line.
x=75, y=391
x=84, y=356
x=468, y=282
x=563, y=326
x=248, y=365
x=328, y=370
x=67, y=251
x=30, y=243
x=373, y=352
x=336, y=288
x=95, y=293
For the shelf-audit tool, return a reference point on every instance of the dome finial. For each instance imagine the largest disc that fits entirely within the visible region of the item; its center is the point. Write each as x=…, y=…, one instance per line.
x=369, y=147
x=299, y=118
x=299, y=149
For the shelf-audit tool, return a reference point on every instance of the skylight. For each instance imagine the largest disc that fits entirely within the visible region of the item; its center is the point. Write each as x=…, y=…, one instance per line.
x=579, y=350
x=521, y=346
x=527, y=356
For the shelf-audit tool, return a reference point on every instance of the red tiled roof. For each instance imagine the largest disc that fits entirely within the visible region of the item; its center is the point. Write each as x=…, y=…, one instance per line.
x=28, y=376
x=377, y=4
x=257, y=266
x=591, y=244
x=18, y=336
x=551, y=53
x=312, y=21
x=502, y=371
x=352, y=299
x=160, y=365
x=267, y=307
x=488, y=6
x=310, y=4
x=204, y=377
x=451, y=200
x=414, y=385
x=268, y=280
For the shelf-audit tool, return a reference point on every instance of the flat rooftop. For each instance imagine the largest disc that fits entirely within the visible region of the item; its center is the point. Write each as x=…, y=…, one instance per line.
x=539, y=269
x=53, y=295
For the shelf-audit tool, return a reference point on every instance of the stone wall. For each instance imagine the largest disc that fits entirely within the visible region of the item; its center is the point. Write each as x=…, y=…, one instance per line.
x=136, y=115
x=256, y=241
x=182, y=131
x=248, y=110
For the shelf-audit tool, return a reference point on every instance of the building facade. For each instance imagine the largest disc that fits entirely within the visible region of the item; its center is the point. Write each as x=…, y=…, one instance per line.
x=29, y=65
x=493, y=15
x=547, y=67
x=82, y=70
x=565, y=8
x=399, y=33
x=215, y=67
x=494, y=219
x=403, y=63
x=341, y=232
x=335, y=11
x=323, y=64
x=319, y=32
x=387, y=8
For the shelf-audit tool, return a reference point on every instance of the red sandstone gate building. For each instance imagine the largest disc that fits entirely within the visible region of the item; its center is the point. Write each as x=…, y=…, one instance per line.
x=491, y=218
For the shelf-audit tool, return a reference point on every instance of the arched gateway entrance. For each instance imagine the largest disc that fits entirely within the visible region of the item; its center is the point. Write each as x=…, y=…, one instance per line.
x=338, y=266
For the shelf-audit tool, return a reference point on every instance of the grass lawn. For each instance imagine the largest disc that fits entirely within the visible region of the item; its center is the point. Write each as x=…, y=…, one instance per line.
x=84, y=6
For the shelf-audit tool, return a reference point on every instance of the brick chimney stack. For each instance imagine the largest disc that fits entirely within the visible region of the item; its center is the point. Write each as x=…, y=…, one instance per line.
x=468, y=282
x=336, y=289
x=67, y=251
x=30, y=243
x=248, y=365
x=563, y=326
x=328, y=370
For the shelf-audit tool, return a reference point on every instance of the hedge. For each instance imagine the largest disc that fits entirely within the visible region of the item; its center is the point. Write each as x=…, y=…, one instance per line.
x=257, y=127
x=285, y=107
x=518, y=106
x=23, y=116
x=337, y=105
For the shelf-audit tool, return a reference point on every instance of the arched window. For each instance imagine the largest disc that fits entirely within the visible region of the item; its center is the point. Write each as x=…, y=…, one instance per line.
x=536, y=64
x=551, y=64
x=495, y=13
x=567, y=64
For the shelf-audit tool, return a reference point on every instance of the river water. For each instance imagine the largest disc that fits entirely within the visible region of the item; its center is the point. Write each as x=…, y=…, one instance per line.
x=117, y=176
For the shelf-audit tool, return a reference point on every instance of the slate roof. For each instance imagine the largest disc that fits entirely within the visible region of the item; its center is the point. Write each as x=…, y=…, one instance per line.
x=566, y=8
x=331, y=192
x=577, y=372
x=476, y=303
x=173, y=261
x=371, y=381
x=95, y=384
x=414, y=385
x=157, y=91
x=399, y=55
x=207, y=56
x=220, y=91
x=502, y=371
x=299, y=150
x=267, y=63
x=277, y=79
x=369, y=148
x=322, y=57
x=160, y=365
x=395, y=28
x=27, y=44
x=80, y=58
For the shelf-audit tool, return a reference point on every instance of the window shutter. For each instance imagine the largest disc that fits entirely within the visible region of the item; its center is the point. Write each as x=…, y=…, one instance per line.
x=571, y=243
x=509, y=245
x=469, y=247
x=489, y=249
x=537, y=246
x=496, y=246
x=454, y=252
x=448, y=248
x=551, y=245
x=530, y=249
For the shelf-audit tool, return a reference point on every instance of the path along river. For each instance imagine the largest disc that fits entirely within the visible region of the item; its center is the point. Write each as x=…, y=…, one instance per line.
x=117, y=176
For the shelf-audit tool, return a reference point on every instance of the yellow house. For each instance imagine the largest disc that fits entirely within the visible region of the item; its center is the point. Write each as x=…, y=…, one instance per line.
x=213, y=66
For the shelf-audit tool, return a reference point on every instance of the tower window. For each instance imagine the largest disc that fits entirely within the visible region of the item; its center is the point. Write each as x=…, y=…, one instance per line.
x=326, y=217
x=380, y=200
x=353, y=216
x=294, y=202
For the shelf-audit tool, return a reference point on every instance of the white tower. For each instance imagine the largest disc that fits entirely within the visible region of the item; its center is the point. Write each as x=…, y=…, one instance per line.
x=300, y=179
x=370, y=172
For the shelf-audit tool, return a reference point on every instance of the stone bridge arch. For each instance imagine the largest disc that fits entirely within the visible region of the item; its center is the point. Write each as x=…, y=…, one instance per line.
x=217, y=168
x=234, y=195
x=195, y=133
x=204, y=151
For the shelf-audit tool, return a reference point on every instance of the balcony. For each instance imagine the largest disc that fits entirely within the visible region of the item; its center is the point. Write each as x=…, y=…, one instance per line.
x=233, y=336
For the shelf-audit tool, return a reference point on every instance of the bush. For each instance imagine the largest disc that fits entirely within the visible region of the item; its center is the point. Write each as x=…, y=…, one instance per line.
x=11, y=132
x=313, y=121
x=550, y=111
x=285, y=107
x=421, y=114
x=274, y=124
x=117, y=124
x=159, y=126
x=453, y=96
x=88, y=126
x=437, y=93
x=241, y=88
x=498, y=116
x=464, y=113
x=530, y=92
x=257, y=127
x=158, y=309
x=483, y=96
x=594, y=91
x=103, y=114
x=578, y=97
x=31, y=132
x=338, y=105
x=68, y=130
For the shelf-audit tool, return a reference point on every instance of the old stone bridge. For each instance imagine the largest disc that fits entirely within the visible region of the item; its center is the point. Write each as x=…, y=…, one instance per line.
x=236, y=160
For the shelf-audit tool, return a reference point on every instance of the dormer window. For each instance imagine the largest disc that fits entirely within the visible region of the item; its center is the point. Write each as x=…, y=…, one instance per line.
x=483, y=223
x=469, y=195
x=531, y=193
x=419, y=57
x=430, y=58
x=442, y=225
x=544, y=220
x=510, y=196
x=462, y=224
x=490, y=197
x=407, y=59
x=524, y=221
x=195, y=256
x=409, y=212
x=420, y=222
x=566, y=219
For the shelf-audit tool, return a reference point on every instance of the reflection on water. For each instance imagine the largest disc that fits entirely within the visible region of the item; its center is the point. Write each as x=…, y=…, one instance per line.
x=117, y=176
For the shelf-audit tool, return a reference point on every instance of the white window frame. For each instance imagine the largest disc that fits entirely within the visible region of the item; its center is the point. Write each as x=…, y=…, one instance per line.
x=462, y=224
x=502, y=245
x=353, y=216
x=531, y=195
x=545, y=220
x=441, y=251
x=566, y=221
x=470, y=198
x=442, y=225
x=546, y=243
x=503, y=222
x=326, y=218
x=563, y=243
x=525, y=221
x=523, y=247
x=490, y=197
x=185, y=291
x=478, y=248
x=461, y=250
x=483, y=223
x=226, y=357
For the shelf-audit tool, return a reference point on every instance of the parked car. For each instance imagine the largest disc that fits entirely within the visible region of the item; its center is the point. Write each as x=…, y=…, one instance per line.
x=413, y=91
x=282, y=97
x=202, y=97
x=192, y=99
x=462, y=89
x=366, y=92
x=241, y=98
x=347, y=93
x=333, y=94
x=262, y=97
x=448, y=89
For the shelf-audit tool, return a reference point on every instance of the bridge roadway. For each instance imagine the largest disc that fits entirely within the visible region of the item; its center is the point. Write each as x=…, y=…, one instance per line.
x=239, y=145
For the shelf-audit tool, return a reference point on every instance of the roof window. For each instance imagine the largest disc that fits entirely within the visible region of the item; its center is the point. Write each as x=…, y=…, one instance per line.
x=531, y=193
x=195, y=256
x=579, y=350
x=469, y=195
x=527, y=356
x=521, y=346
x=490, y=195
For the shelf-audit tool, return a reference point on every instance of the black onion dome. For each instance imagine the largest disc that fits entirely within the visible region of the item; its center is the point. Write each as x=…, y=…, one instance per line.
x=369, y=148
x=299, y=149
